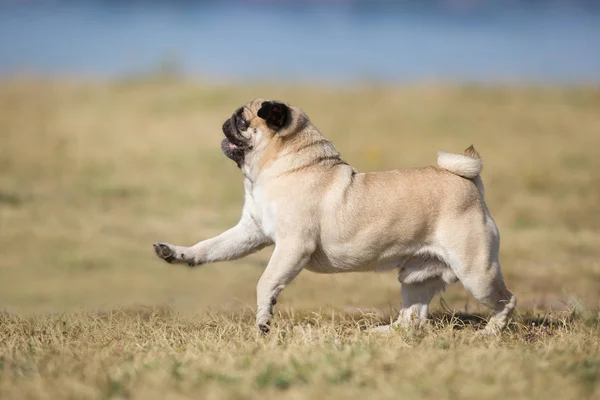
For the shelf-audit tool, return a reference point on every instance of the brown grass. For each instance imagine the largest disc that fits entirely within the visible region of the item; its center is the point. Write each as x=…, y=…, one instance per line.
x=91, y=174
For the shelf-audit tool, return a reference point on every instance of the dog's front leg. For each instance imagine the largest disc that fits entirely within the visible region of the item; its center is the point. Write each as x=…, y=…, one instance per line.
x=288, y=259
x=243, y=239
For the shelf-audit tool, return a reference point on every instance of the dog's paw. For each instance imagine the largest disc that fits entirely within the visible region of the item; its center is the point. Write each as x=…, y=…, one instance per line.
x=264, y=327
x=173, y=254
x=165, y=251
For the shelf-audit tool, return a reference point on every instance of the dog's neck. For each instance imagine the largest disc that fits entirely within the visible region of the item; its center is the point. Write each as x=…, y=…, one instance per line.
x=285, y=164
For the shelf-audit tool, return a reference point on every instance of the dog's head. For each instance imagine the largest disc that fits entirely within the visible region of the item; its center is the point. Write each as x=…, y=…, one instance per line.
x=253, y=127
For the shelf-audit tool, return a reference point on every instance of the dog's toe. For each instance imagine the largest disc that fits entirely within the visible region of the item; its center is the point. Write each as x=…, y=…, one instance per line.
x=164, y=251
x=264, y=328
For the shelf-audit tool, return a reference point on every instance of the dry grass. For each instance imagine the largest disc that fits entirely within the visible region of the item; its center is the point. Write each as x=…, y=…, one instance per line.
x=92, y=173
x=154, y=354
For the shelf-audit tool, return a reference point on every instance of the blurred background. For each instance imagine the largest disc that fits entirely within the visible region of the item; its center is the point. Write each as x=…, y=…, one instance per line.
x=110, y=116
x=302, y=40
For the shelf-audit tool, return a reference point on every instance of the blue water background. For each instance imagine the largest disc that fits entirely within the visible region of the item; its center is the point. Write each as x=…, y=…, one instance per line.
x=337, y=41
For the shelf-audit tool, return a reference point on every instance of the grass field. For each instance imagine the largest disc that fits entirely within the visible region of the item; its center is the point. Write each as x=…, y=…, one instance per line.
x=92, y=173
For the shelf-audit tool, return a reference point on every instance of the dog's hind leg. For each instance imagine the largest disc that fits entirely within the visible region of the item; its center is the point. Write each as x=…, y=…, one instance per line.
x=474, y=259
x=486, y=284
x=415, y=301
x=420, y=284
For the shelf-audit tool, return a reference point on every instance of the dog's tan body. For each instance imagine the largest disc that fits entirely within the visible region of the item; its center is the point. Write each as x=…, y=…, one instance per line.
x=431, y=224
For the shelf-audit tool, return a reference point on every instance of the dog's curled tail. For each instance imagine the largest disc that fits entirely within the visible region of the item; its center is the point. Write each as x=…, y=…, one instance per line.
x=468, y=165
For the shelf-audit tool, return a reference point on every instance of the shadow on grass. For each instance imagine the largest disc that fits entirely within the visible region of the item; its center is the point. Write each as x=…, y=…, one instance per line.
x=459, y=320
x=527, y=324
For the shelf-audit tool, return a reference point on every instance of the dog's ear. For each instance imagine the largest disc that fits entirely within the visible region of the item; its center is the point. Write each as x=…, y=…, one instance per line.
x=274, y=113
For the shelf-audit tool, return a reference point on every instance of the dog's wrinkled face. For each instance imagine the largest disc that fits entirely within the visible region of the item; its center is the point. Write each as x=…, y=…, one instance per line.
x=237, y=140
x=253, y=125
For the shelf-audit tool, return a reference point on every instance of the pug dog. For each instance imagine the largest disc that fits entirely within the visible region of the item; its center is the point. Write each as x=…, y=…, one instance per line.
x=430, y=224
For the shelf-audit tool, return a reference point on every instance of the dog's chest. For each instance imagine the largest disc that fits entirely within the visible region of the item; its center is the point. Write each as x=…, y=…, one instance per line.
x=265, y=213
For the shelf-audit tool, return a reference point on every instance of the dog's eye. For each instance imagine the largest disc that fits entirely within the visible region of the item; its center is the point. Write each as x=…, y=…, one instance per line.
x=241, y=124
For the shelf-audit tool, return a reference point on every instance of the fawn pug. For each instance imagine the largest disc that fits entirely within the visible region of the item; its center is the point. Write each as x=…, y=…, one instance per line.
x=431, y=224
